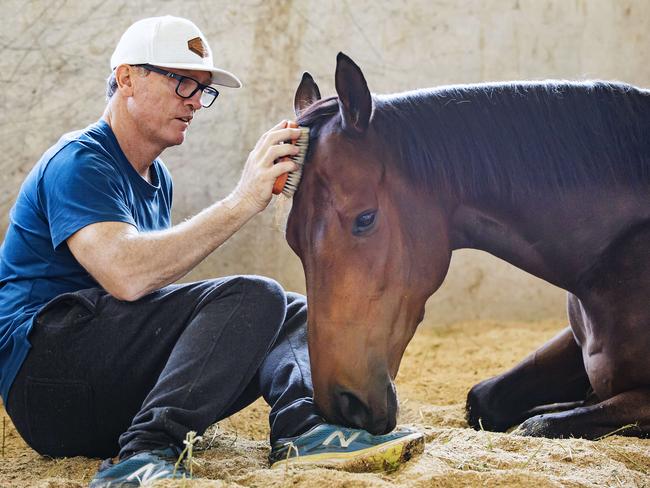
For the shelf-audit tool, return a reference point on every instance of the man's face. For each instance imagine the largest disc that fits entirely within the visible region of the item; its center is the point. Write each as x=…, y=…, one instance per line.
x=162, y=116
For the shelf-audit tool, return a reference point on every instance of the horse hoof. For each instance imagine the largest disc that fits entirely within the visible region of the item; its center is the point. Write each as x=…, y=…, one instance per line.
x=537, y=426
x=482, y=413
x=552, y=426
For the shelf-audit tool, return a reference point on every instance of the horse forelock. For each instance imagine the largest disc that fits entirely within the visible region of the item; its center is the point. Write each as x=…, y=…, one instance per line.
x=316, y=115
x=510, y=140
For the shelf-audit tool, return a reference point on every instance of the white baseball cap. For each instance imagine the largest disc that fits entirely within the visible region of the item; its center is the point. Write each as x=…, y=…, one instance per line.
x=169, y=42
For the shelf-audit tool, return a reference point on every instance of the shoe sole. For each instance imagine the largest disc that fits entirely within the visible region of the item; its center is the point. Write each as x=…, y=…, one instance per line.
x=385, y=457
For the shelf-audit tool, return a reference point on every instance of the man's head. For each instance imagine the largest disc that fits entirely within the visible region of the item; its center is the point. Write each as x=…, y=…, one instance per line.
x=162, y=68
x=169, y=42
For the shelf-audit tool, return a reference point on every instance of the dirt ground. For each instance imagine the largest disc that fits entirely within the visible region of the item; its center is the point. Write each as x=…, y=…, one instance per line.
x=440, y=365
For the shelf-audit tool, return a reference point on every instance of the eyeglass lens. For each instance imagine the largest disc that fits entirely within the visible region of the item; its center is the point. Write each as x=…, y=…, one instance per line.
x=187, y=87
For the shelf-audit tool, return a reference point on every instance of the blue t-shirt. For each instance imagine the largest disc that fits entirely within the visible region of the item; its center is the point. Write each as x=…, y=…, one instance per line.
x=83, y=179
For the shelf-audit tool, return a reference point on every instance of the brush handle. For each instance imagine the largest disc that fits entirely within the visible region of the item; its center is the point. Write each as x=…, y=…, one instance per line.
x=281, y=180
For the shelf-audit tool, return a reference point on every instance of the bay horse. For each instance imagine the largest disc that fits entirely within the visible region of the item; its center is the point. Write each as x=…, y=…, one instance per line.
x=552, y=177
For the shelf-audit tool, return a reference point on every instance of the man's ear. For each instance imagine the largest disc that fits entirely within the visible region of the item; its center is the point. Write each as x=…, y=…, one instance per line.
x=124, y=74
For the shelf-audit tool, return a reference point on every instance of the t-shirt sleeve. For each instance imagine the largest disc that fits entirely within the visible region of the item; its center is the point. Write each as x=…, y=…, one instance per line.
x=81, y=187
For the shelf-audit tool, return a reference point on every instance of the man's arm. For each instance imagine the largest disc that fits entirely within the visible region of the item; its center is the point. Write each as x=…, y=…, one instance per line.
x=130, y=264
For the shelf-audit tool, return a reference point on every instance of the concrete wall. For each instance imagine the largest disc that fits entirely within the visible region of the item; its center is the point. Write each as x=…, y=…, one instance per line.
x=54, y=58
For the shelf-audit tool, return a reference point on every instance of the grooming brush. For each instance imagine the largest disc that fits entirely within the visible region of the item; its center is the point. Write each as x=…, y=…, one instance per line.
x=287, y=183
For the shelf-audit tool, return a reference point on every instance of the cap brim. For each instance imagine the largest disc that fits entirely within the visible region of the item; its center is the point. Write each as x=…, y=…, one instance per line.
x=219, y=76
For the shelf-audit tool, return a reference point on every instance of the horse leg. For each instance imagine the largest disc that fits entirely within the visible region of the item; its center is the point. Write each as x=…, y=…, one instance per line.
x=627, y=413
x=554, y=373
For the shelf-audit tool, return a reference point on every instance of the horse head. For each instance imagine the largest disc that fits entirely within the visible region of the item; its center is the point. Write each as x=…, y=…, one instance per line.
x=373, y=249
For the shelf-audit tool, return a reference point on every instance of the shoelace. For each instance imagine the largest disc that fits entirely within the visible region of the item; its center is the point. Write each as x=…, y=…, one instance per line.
x=291, y=446
x=188, y=452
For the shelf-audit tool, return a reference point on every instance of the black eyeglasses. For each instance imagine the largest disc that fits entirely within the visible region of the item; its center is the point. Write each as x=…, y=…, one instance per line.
x=187, y=86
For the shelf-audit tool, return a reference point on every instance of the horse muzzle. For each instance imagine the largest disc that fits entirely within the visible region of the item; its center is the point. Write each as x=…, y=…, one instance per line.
x=375, y=413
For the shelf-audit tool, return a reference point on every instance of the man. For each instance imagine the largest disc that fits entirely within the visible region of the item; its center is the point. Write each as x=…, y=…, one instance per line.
x=100, y=354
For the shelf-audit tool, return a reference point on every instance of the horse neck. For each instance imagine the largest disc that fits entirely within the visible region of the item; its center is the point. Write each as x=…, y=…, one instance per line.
x=509, y=201
x=555, y=239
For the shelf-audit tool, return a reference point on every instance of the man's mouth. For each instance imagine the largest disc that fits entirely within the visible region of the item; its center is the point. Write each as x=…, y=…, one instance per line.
x=187, y=119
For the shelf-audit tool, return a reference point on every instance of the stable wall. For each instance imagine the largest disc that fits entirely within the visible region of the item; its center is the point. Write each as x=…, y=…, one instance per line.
x=54, y=58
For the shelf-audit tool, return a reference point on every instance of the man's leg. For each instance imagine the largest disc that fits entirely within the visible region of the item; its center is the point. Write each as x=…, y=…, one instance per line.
x=285, y=375
x=209, y=370
x=150, y=370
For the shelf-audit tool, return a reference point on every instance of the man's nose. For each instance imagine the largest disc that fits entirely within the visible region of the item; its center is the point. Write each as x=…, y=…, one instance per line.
x=195, y=100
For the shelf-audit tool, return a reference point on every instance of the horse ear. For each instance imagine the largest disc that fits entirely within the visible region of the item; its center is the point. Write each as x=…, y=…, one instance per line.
x=306, y=94
x=355, y=102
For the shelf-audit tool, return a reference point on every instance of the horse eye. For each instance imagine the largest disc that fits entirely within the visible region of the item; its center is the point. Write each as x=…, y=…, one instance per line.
x=364, y=222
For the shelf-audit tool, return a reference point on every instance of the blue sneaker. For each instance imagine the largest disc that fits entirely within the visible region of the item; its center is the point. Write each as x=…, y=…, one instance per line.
x=138, y=470
x=348, y=449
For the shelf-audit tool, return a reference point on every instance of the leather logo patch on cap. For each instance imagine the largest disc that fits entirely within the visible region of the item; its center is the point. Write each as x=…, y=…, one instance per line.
x=197, y=47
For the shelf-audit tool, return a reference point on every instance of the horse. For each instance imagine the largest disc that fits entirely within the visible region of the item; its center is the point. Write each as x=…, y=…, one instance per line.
x=550, y=176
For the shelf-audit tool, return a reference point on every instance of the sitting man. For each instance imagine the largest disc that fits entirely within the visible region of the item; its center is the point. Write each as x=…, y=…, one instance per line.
x=100, y=354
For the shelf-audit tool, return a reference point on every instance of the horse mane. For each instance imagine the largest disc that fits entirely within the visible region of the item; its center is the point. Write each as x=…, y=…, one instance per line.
x=511, y=140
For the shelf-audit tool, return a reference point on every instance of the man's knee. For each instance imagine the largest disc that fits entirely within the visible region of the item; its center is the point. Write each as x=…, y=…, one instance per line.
x=264, y=300
x=262, y=291
x=253, y=286
x=264, y=286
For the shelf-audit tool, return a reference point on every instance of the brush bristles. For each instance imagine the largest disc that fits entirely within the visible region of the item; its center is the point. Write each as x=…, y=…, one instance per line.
x=293, y=179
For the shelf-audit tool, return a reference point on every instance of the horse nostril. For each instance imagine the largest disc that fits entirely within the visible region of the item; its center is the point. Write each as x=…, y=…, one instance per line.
x=353, y=411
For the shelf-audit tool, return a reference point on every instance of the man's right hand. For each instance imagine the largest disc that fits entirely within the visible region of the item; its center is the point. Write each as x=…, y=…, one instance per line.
x=260, y=171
